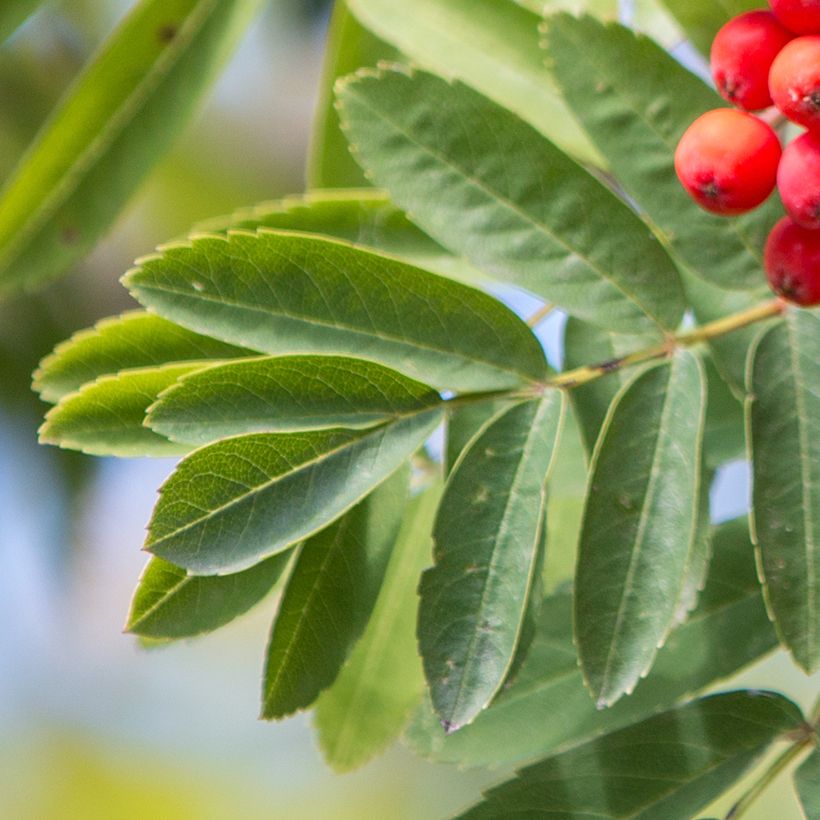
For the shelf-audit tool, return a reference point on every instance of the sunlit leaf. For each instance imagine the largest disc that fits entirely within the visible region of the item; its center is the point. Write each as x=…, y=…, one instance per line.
x=115, y=122
x=329, y=599
x=288, y=293
x=640, y=524
x=487, y=186
x=784, y=425
x=373, y=696
x=486, y=535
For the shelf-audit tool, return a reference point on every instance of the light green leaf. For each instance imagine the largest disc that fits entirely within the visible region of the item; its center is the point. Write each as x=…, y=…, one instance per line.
x=131, y=340
x=701, y=19
x=290, y=293
x=487, y=186
x=489, y=44
x=585, y=345
x=635, y=101
x=285, y=394
x=807, y=783
x=374, y=694
x=329, y=599
x=783, y=413
x=13, y=13
x=666, y=767
x=349, y=46
x=548, y=707
x=487, y=534
x=168, y=603
x=105, y=417
x=640, y=524
x=116, y=121
x=364, y=217
x=231, y=504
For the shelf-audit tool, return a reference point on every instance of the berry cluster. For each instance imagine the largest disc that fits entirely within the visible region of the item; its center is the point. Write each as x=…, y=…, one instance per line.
x=729, y=160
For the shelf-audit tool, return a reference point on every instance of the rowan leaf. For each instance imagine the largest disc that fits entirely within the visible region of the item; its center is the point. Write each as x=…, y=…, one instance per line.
x=14, y=13
x=489, y=187
x=487, y=535
x=293, y=293
x=807, y=783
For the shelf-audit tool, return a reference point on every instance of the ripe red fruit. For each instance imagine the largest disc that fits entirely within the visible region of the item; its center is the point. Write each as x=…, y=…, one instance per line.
x=798, y=179
x=792, y=260
x=727, y=161
x=799, y=16
x=742, y=54
x=794, y=81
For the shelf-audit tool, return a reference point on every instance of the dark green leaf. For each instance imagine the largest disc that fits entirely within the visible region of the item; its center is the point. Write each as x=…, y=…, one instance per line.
x=807, y=783
x=371, y=700
x=784, y=425
x=363, y=217
x=231, y=504
x=464, y=422
x=548, y=707
x=487, y=186
x=329, y=598
x=132, y=340
x=489, y=44
x=105, y=417
x=635, y=101
x=116, y=121
x=285, y=394
x=349, y=46
x=640, y=525
x=289, y=293
x=486, y=535
x=724, y=434
x=666, y=767
x=168, y=603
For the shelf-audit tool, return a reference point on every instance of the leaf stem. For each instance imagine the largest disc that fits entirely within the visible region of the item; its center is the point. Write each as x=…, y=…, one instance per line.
x=540, y=314
x=782, y=762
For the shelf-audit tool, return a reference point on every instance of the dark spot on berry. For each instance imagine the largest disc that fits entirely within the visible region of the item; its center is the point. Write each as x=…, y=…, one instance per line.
x=710, y=189
x=166, y=33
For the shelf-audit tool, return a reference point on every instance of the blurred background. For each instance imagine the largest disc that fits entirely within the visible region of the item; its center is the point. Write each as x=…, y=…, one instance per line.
x=92, y=724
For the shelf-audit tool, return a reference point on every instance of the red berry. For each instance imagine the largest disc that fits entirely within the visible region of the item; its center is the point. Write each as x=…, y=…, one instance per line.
x=798, y=179
x=792, y=261
x=727, y=161
x=742, y=54
x=799, y=16
x=794, y=81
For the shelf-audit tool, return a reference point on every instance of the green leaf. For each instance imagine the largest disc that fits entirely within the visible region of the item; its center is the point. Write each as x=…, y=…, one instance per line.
x=373, y=696
x=487, y=533
x=230, y=504
x=465, y=422
x=807, y=783
x=13, y=13
x=487, y=186
x=329, y=599
x=783, y=413
x=701, y=19
x=105, y=417
x=489, y=44
x=548, y=707
x=285, y=394
x=635, y=101
x=168, y=603
x=666, y=767
x=724, y=436
x=131, y=340
x=640, y=524
x=349, y=46
x=115, y=122
x=586, y=345
x=363, y=217
x=288, y=293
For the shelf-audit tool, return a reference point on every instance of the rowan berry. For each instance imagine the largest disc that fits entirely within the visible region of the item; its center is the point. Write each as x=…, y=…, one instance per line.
x=792, y=260
x=742, y=54
x=727, y=161
x=798, y=180
x=794, y=81
x=799, y=16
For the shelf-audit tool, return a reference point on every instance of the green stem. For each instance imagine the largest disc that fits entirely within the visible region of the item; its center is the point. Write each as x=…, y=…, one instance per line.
x=782, y=762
